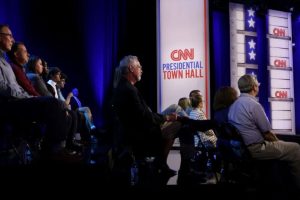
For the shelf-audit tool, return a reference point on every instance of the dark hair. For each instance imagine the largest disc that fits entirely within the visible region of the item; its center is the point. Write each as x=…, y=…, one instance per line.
x=193, y=92
x=63, y=76
x=224, y=97
x=14, y=49
x=31, y=63
x=196, y=100
x=53, y=71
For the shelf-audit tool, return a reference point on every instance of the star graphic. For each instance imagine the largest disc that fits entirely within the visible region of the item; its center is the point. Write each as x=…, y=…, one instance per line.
x=252, y=44
x=251, y=12
x=252, y=55
x=251, y=22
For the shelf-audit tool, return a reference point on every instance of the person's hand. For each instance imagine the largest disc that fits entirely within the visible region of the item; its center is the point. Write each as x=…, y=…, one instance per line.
x=269, y=136
x=171, y=117
x=70, y=95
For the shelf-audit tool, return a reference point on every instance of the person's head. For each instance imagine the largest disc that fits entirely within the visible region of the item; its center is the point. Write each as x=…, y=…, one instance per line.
x=195, y=92
x=75, y=92
x=63, y=79
x=54, y=74
x=196, y=101
x=6, y=38
x=34, y=65
x=184, y=103
x=248, y=84
x=18, y=53
x=224, y=97
x=130, y=68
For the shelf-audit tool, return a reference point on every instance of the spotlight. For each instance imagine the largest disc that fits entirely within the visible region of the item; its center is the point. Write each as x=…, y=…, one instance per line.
x=291, y=9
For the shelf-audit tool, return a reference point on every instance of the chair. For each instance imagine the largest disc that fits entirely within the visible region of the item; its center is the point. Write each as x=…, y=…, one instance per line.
x=19, y=143
x=239, y=167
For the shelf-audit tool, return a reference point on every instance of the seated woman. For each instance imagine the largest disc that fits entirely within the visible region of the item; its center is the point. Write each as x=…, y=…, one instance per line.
x=208, y=138
x=224, y=97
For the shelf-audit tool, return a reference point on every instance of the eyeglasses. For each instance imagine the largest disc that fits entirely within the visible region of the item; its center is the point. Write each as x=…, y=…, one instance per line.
x=7, y=34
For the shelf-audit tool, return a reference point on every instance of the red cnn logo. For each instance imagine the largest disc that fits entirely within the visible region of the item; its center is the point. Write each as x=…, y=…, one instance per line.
x=280, y=63
x=279, y=32
x=179, y=54
x=281, y=94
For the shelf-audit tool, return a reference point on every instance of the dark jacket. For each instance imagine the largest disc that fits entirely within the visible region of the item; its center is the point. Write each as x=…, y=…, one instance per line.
x=141, y=126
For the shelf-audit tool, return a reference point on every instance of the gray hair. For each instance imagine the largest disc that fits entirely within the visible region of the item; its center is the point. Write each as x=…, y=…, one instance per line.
x=122, y=69
x=247, y=82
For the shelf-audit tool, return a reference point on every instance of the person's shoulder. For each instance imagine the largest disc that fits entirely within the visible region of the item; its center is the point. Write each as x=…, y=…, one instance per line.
x=32, y=75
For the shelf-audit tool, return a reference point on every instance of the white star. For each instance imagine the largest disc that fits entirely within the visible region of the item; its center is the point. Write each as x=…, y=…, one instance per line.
x=252, y=55
x=252, y=44
x=251, y=12
x=251, y=22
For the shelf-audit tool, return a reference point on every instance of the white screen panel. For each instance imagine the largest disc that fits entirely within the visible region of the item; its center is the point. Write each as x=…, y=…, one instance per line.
x=282, y=115
x=240, y=25
x=281, y=105
x=280, y=74
x=278, y=21
x=241, y=71
x=241, y=58
x=279, y=43
x=277, y=52
x=239, y=15
x=281, y=124
x=277, y=13
x=240, y=38
x=240, y=48
x=279, y=83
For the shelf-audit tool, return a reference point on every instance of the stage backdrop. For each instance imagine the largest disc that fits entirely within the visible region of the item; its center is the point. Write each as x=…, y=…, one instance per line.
x=183, y=53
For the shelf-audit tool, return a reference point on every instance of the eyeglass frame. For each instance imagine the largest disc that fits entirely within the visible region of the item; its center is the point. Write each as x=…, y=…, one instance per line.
x=7, y=34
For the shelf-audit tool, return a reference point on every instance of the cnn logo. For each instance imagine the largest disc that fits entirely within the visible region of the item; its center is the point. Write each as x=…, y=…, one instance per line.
x=179, y=54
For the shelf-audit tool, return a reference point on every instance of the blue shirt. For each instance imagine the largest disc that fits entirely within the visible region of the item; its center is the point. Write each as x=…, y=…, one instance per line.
x=9, y=86
x=249, y=117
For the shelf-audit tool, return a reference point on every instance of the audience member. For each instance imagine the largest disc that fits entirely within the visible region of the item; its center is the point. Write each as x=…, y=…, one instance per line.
x=224, y=97
x=208, y=138
x=60, y=86
x=19, y=56
x=184, y=103
x=83, y=127
x=34, y=73
x=53, y=79
x=141, y=126
x=249, y=117
x=192, y=93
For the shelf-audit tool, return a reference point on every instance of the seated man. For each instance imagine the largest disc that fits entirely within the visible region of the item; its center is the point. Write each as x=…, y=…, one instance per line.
x=141, y=126
x=248, y=116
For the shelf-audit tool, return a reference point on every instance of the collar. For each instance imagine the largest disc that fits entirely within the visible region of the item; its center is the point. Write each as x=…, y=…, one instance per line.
x=248, y=95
